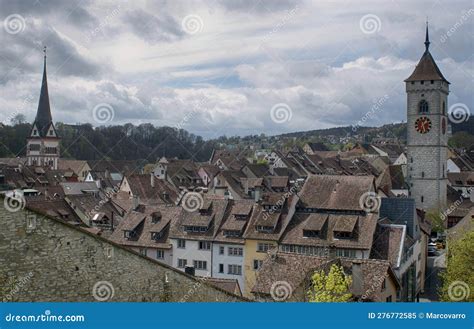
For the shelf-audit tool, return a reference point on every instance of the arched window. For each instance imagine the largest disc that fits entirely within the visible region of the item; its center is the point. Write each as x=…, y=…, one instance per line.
x=444, y=108
x=423, y=107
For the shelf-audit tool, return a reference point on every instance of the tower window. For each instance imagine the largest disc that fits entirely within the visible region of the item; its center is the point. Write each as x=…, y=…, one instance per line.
x=422, y=82
x=413, y=82
x=423, y=106
x=432, y=81
x=444, y=108
x=423, y=174
x=422, y=199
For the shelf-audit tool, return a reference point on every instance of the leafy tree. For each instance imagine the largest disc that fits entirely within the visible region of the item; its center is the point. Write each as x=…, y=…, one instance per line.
x=437, y=220
x=458, y=279
x=18, y=119
x=461, y=139
x=331, y=287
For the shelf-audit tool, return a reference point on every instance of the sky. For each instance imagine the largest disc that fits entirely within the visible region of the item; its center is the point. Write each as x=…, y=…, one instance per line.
x=238, y=67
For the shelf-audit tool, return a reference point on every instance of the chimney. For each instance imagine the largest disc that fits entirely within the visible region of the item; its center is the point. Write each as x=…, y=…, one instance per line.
x=152, y=180
x=189, y=270
x=357, y=278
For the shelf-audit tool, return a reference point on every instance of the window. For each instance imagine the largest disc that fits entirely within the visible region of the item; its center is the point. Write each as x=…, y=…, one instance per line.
x=234, y=269
x=200, y=265
x=384, y=284
x=34, y=147
x=310, y=234
x=349, y=253
x=221, y=250
x=422, y=199
x=235, y=251
x=181, y=243
x=422, y=174
x=221, y=268
x=389, y=299
x=257, y=264
x=182, y=263
x=143, y=251
x=160, y=254
x=342, y=235
x=204, y=245
x=444, y=108
x=423, y=107
x=264, y=247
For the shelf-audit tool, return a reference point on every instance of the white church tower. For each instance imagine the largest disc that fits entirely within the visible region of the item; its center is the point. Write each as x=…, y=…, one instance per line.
x=43, y=142
x=427, y=100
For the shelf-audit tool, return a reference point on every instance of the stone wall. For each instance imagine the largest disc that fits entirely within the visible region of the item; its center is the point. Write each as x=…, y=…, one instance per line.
x=43, y=259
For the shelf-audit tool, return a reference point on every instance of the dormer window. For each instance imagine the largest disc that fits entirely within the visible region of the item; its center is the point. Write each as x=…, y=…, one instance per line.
x=129, y=234
x=155, y=217
x=342, y=235
x=155, y=236
x=311, y=233
x=231, y=233
x=264, y=229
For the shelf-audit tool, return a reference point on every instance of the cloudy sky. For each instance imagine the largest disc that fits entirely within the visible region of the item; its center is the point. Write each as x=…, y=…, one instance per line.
x=235, y=67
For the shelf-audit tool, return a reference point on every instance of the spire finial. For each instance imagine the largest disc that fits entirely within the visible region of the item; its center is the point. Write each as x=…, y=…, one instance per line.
x=427, y=38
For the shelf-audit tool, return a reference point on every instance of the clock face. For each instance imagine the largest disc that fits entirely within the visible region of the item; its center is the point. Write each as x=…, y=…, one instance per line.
x=423, y=125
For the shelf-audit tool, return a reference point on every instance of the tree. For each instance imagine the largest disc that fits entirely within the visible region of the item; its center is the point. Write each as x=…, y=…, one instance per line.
x=437, y=220
x=333, y=287
x=458, y=279
x=18, y=119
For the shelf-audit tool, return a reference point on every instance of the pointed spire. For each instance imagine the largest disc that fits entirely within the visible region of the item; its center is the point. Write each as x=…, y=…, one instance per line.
x=427, y=38
x=43, y=115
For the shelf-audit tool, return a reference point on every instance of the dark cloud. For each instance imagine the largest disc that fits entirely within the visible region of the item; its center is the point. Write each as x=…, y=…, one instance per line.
x=152, y=28
x=25, y=53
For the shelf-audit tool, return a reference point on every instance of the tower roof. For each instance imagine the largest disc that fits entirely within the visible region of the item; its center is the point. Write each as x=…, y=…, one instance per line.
x=426, y=68
x=43, y=114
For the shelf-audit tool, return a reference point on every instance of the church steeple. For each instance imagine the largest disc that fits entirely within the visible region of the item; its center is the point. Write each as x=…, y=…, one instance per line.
x=426, y=68
x=42, y=147
x=43, y=115
x=427, y=38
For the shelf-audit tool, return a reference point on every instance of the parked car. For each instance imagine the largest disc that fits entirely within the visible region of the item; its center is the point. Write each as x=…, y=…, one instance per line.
x=432, y=250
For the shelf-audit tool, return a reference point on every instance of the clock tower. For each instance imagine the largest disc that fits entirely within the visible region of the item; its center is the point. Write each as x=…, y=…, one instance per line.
x=427, y=99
